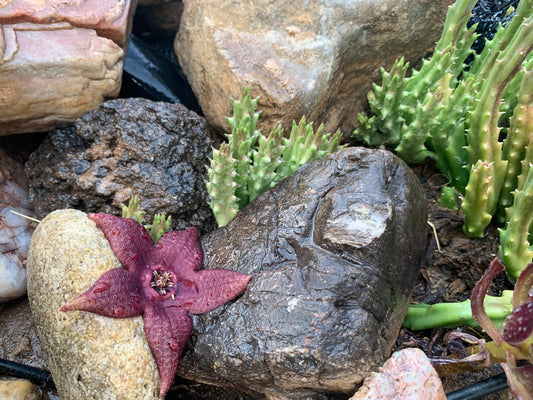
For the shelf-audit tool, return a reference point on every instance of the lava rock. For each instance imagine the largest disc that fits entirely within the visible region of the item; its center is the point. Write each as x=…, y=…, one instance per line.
x=90, y=357
x=157, y=151
x=334, y=251
x=317, y=58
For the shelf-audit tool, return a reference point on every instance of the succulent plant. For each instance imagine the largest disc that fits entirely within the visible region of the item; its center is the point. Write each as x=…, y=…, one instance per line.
x=250, y=163
x=459, y=116
x=159, y=226
x=516, y=336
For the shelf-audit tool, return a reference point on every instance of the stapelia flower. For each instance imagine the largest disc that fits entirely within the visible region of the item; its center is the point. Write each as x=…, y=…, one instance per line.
x=516, y=337
x=162, y=282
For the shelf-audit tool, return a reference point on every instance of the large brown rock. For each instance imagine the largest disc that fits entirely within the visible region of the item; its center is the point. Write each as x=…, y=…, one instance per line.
x=314, y=58
x=334, y=252
x=59, y=60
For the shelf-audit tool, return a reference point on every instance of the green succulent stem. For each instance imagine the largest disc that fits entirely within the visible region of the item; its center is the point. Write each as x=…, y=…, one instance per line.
x=250, y=163
x=453, y=315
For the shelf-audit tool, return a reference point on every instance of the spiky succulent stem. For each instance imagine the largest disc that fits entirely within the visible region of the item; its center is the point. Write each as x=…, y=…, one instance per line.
x=452, y=315
x=503, y=60
x=251, y=163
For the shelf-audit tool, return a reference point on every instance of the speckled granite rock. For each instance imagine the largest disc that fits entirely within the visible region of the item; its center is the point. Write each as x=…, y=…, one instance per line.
x=59, y=59
x=90, y=357
x=18, y=389
x=407, y=375
x=317, y=58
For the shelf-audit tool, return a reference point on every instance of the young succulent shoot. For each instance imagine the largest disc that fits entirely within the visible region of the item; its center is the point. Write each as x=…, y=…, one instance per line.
x=250, y=163
x=159, y=226
x=516, y=336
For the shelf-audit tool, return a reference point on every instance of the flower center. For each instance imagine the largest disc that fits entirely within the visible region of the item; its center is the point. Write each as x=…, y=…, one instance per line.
x=161, y=281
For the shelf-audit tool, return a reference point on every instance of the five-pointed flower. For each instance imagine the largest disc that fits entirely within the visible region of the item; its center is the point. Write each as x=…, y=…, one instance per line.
x=162, y=282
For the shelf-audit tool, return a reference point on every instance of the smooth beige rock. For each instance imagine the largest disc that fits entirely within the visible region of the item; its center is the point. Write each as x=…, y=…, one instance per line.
x=407, y=375
x=91, y=357
x=18, y=389
x=307, y=57
x=59, y=59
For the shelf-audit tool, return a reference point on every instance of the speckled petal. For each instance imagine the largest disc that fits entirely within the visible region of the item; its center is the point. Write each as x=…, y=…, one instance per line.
x=115, y=294
x=167, y=329
x=216, y=287
x=179, y=250
x=128, y=239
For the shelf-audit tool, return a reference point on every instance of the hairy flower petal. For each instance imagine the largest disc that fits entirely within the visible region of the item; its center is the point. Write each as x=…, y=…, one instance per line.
x=216, y=287
x=167, y=332
x=478, y=296
x=115, y=294
x=520, y=380
x=523, y=288
x=128, y=239
x=179, y=248
x=518, y=325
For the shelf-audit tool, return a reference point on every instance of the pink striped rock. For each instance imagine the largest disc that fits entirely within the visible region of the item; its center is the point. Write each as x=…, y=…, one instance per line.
x=59, y=59
x=407, y=375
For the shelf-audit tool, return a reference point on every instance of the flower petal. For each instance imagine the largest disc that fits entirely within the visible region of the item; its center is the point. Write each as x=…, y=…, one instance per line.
x=520, y=380
x=128, y=239
x=518, y=325
x=167, y=329
x=215, y=287
x=115, y=294
x=522, y=289
x=180, y=251
x=478, y=296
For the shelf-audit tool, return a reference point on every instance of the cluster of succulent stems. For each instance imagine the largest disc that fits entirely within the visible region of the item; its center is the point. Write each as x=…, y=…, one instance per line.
x=476, y=122
x=250, y=163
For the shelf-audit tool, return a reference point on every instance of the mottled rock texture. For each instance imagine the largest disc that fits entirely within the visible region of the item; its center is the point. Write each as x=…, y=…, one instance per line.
x=157, y=151
x=407, y=375
x=59, y=59
x=90, y=357
x=316, y=58
x=18, y=389
x=15, y=231
x=334, y=251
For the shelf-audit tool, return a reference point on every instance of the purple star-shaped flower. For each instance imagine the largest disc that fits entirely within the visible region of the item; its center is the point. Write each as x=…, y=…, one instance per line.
x=162, y=282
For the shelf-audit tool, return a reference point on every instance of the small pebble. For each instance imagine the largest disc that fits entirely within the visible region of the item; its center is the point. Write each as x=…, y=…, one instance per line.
x=19, y=389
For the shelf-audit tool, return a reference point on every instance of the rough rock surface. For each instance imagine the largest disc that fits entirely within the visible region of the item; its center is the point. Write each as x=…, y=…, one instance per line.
x=158, y=151
x=334, y=251
x=59, y=59
x=18, y=389
x=407, y=375
x=90, y=357
x=15, y=231
x=317, y=58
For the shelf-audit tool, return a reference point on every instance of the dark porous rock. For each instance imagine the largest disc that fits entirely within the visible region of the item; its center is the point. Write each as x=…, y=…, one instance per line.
x=157, y=151
x=334, y=251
